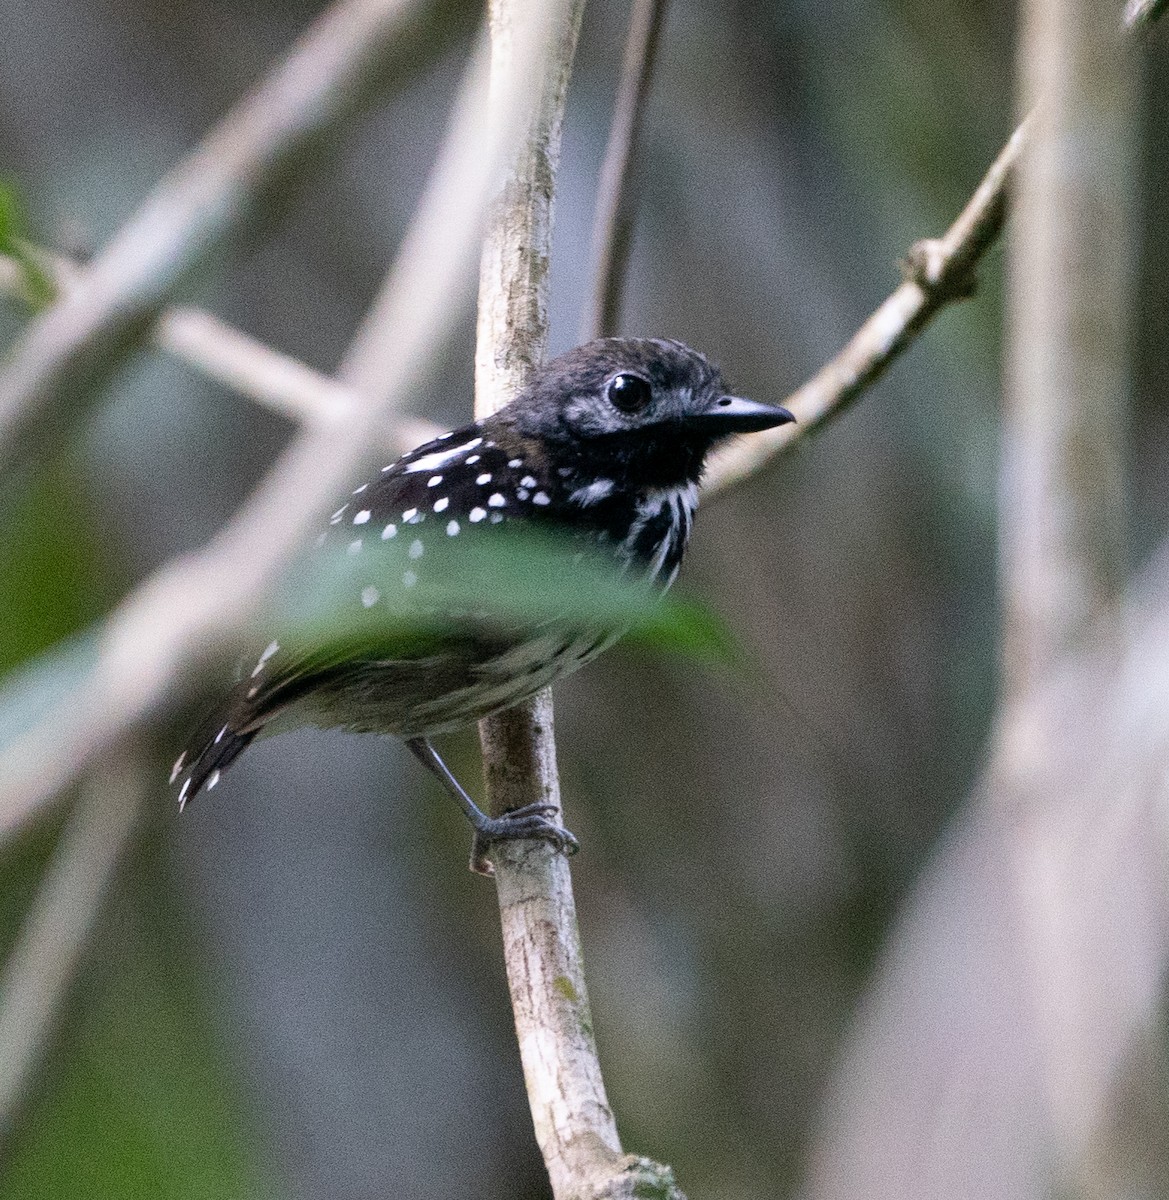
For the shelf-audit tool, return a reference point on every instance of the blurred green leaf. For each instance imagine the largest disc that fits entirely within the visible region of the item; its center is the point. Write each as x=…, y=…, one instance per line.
x=54, y=576
x=39, y=289
x=404, y=598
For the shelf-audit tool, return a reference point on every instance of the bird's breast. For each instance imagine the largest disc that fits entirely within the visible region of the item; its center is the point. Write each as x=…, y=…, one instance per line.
x=659, y=531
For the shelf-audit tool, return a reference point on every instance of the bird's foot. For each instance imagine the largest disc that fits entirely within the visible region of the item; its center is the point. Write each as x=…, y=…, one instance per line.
x=531, y=821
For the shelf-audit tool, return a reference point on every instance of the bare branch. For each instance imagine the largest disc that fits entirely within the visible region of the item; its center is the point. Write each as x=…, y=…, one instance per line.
x=271, y=378
x=37, y=973
x=616, y=202
x=1062, y=541
x=238, y=361
x=573, y=1122
x=938, y=270
x=192, y=207
x=183, y=617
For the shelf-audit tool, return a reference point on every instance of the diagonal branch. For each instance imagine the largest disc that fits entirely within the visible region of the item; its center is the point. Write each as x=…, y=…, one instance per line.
x=236, y=360
x=38, y=970
x=193, y=206
x=938, y=271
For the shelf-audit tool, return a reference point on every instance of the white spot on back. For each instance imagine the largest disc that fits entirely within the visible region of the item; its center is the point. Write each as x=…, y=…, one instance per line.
x=362, y=517
x=484, y=478
x=416, y=548
x=213, y=779
x=370, y=596
x=496, y=500
x=472, y=459
x=390, y=530
x=496, y=517
x=522, y=493
x=541, y=498
x=515, y=462
x=439, y=458
x=477, y=513
x=434, y=481
x=452, y=528
x=527, y=482
x=409, y=514
x=439, y=505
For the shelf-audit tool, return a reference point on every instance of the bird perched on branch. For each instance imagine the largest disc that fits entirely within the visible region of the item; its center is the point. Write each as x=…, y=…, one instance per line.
x=605, y=449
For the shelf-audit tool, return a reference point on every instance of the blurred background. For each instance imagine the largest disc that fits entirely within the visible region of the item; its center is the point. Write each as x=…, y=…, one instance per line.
x=297, y=989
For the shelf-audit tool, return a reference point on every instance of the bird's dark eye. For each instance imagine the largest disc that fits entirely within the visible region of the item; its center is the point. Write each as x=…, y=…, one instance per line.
x=628, y=393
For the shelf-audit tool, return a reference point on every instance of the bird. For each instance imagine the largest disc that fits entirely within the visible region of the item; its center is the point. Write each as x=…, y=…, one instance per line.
x=605, y=447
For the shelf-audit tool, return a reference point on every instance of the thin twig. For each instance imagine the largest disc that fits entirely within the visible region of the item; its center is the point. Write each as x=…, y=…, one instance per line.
x=616, y=196
x=37, y=972
x=237, y=360
x=194, y=206
x=272, y=378
x=573, y=1122
x=938, y=271
x=183, y=617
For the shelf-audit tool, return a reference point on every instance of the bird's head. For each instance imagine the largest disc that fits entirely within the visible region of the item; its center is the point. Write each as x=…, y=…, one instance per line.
x=644, y=410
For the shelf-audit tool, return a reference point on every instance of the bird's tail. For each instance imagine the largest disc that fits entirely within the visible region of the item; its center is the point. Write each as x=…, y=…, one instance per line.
x=209, y=754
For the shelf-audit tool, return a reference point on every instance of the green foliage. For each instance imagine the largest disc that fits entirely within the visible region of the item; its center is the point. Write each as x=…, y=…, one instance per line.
x=38, y=287
x=386, y=603
x=53, y=576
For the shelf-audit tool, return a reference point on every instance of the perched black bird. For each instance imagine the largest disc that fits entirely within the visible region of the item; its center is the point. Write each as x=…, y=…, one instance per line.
x=607, y=444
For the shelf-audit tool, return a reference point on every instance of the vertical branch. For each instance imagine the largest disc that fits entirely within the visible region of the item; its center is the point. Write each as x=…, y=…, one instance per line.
x=1062, y=501
x=573, y=1122
x=1063, y=529
x=613, y=223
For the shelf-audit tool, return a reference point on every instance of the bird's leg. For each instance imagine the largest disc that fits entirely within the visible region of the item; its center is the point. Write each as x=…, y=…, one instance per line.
x=531, y=821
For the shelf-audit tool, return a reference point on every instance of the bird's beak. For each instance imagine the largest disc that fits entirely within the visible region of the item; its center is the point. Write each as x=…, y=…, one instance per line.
x=734, y=414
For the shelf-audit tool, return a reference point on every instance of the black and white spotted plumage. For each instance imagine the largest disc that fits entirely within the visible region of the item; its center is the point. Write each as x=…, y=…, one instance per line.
x=606, y=446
